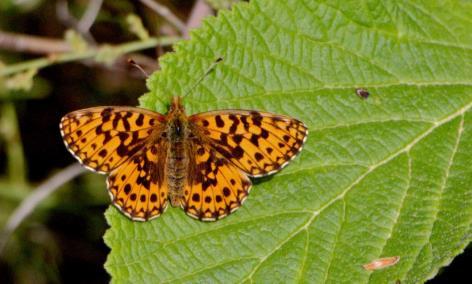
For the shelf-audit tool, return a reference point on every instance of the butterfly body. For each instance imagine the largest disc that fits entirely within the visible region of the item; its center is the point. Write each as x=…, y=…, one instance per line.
x=201, y=162
x=178, y=135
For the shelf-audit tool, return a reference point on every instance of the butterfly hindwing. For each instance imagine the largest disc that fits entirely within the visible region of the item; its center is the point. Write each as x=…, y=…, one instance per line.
x=139, y=187
x=214, y=187
x=102, y=138
x=259, y=143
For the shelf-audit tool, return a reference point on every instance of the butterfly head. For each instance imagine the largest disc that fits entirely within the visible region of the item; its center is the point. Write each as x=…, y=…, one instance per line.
x=176, y=105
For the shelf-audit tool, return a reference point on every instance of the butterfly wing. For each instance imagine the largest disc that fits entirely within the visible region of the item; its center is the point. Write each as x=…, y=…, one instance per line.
x=102, y=138
x=214, y=187
x=259, y=143
x=116, y=140
x=139, y=186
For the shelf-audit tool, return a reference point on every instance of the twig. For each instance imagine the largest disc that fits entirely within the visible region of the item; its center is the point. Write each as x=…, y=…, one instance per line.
x=10, y=130
x=62, y=11
x=90, y=15
x=199, y=11
x=164, y=12
x=36, y=197
x=67, y=57
x=32, y=44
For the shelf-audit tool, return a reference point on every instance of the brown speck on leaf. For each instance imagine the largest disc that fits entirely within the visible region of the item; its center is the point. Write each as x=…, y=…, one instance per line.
x=362, y=93
x=381, y=263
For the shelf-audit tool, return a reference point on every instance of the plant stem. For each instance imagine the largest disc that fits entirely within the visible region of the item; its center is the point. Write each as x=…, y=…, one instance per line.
x=165, y=12
x=74, y=56
x=16, y=164
x=36, y=196
x=31, y=44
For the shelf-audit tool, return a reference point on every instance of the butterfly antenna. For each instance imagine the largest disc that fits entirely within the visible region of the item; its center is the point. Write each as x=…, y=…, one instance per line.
x=137, y=66
x=208, y=71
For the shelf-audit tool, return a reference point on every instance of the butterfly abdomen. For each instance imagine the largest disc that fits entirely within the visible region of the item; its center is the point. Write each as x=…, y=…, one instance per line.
x=177, y=162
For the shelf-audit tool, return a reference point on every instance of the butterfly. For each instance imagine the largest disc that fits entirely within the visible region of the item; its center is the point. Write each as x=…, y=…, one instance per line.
x=202, y=163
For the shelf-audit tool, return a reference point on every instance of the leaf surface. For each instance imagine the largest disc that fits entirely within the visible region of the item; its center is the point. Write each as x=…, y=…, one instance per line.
x=385, y=176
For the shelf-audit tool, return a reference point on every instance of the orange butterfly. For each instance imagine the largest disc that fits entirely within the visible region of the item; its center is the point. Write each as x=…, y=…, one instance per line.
x=201, y=162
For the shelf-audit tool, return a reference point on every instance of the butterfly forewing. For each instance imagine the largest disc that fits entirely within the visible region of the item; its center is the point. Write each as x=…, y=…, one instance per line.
x=102, y=138
x=259, y=143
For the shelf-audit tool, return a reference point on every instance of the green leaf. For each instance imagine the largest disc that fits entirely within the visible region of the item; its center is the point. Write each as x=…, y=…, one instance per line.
x=389, y=175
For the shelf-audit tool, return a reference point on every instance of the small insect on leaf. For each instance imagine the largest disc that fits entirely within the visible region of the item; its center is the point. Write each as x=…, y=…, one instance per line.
x=381, y=263
x=362, y=93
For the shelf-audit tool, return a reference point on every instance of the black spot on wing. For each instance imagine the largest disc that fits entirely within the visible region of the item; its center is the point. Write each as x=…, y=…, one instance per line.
x=140, y=120
x=235, y=123
x=219, y=122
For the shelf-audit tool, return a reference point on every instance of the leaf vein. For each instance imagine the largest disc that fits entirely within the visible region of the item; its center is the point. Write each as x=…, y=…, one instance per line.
x=442, y=189
x=336, y=238
x=397, y=217
x=343, y=193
